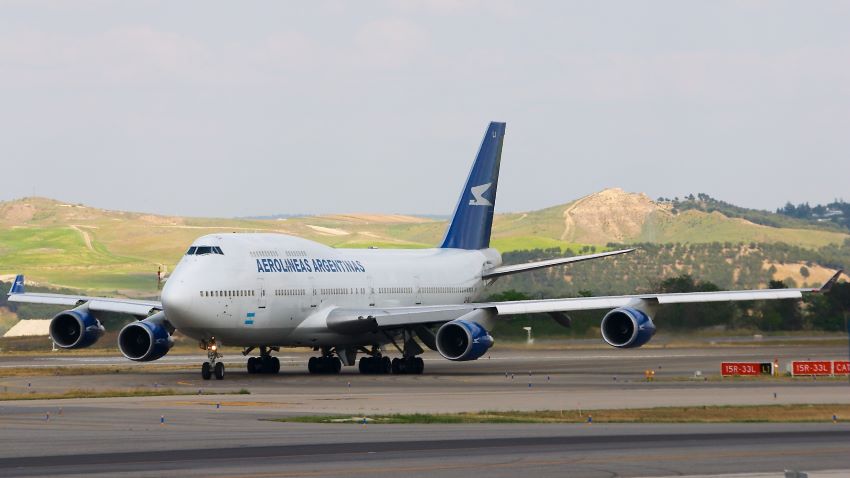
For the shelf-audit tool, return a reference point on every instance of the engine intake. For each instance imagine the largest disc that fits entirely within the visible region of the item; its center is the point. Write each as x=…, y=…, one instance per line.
x=147, y=340
x=462, y=340
x=627, y=328
x=75, y=329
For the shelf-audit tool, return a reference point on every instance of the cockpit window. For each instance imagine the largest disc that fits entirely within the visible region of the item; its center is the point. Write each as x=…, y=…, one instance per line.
x=202, y=250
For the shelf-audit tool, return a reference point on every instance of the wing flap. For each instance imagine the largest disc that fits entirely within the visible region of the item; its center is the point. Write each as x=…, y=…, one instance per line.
x=699, y=297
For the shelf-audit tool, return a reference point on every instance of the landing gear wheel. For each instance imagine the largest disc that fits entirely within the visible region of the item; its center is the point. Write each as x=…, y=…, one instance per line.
x=324, y=365
x=376, y=365
x=275, y=365
x=252, y=365
x=213, y=366
x=408, y=366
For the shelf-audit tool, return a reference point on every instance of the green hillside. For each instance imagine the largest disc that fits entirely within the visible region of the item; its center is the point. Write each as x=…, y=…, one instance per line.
x=83, y=248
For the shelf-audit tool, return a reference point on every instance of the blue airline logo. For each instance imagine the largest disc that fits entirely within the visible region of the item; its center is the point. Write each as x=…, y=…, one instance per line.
x=308, y=265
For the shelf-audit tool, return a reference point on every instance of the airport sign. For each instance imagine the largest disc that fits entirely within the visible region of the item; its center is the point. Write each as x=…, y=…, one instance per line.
x=731, y=369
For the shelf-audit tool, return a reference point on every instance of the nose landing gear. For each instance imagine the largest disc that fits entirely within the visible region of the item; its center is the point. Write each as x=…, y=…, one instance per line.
x=213, y=367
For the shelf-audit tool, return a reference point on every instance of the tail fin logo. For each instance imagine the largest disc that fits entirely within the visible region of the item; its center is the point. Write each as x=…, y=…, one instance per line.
x=478, y=198
x=17, y=285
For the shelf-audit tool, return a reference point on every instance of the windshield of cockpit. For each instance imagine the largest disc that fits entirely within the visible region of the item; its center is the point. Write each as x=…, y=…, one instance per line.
x=203, y=250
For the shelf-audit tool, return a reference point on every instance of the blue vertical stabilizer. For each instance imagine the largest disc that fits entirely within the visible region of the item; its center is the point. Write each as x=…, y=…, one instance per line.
x=473, y=216
x=17, y=286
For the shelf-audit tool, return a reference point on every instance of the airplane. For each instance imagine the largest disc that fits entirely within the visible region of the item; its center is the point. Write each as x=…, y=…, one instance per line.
x=267, y=291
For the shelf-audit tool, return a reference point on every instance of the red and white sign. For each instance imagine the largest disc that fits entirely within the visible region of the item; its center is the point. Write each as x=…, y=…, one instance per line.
x=811, y=367
x=728, y=369
x=841, y=367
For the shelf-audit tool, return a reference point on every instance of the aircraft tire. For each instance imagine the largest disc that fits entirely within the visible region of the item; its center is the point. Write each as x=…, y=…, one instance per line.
x=252, y=365
x=385, y=366
x=311, y=365
x=219, y=371
x=365, y=365
x=419, y=366
x=206, y=371
x=275, y=365
x=396, y=365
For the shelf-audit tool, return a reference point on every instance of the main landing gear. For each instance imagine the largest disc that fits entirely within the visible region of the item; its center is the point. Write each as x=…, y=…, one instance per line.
x=408, y=365
x=213, y=367
x=265, y=363
x=326, y=364
x=375, y=365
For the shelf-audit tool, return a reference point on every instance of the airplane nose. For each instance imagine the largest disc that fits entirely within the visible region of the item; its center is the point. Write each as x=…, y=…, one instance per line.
x=176, y=302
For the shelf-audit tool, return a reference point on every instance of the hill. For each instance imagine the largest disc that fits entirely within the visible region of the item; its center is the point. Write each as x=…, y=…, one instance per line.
x=79, y=247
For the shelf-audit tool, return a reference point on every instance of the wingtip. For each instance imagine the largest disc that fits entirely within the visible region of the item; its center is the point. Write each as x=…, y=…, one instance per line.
x=831, y=282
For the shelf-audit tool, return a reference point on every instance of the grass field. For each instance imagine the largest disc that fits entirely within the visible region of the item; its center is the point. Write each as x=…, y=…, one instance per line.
x=134, y=392
x=103, y=251
x=719, y=414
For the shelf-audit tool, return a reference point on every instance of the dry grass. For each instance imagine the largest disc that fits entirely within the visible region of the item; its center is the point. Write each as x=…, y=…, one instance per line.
x=112, y=393
x=85, y=393
x=715, y=414
x=86, y=370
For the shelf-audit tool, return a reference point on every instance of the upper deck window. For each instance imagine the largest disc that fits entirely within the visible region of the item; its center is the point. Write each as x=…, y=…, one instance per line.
x=202, y=250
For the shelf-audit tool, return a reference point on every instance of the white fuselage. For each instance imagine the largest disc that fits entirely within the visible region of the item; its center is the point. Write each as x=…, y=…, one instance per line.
x=277, y=290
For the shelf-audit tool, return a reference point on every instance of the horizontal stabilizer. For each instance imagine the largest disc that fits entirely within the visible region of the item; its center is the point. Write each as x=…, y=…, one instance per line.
x=530, y=266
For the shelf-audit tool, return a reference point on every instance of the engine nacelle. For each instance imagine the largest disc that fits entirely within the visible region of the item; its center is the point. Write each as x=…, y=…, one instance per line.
x=75, y=329
x=146, y=340
x=463, y=340
x=627, y=328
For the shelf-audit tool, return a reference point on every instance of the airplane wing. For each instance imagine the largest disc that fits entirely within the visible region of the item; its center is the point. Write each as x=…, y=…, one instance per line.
x=140, y=308
x=365, y=320
x=513, y=269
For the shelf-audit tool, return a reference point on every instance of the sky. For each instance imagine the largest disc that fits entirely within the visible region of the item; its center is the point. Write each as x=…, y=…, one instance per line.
x=209, y=108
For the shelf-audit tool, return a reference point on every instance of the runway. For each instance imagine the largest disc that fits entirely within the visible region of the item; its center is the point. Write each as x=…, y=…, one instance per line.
x=230, y=435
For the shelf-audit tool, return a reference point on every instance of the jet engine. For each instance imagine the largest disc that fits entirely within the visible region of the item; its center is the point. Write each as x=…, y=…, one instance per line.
x=463, y=340
x=627, y=328
x=146, y=340
x=75, y=329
